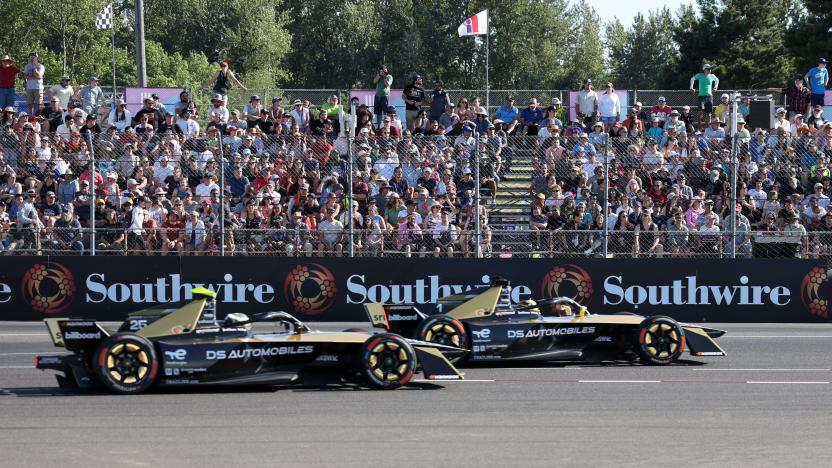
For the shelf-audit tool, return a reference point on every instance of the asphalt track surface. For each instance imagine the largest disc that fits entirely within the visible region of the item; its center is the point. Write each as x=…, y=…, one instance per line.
x=769, y=403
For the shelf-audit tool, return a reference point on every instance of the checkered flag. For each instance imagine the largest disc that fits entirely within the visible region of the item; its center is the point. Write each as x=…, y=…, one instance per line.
x=104, y=19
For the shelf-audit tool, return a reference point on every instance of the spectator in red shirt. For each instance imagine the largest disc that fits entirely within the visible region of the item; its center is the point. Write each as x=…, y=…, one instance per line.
x=8, y=74
x=658, y=193
x=661, y=110
x=173, y=234
x=798, y=97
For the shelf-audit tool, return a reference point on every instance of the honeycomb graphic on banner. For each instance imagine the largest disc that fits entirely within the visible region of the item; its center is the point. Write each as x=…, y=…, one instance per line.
x=570, y=281
x=48, y=288
x=810, y=292
x=310, y=289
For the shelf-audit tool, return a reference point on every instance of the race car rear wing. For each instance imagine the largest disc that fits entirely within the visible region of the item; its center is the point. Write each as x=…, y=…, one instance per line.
x=400, y=319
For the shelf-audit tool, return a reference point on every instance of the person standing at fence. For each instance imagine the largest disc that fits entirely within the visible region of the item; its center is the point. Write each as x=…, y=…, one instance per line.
x=223, y=79
x=609, y=106
x=63, y=91
x=413, y=96
x=586, y=104
x=439, y=101
x=818, y=78
x=33, y=76
x=708, y=83
x=8, y=73
x=91, y=97
x=798, y=97
x=383, y=81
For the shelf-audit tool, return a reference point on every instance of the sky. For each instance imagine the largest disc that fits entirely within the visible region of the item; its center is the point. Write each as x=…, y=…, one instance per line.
x=625, y=10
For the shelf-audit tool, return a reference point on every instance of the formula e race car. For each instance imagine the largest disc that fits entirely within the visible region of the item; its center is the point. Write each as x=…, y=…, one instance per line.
x=188, y=346
x=484, y=322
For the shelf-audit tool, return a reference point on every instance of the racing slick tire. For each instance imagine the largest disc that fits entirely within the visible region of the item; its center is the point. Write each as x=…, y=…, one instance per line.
x=387, y=361
x=444, y=330
x=660, y=340
x=126, y=363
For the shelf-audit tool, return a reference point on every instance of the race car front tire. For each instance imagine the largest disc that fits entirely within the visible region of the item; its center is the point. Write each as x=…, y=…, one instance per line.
x=387, y=361
x=126, y=363
x=444, y=330
x=660, y=340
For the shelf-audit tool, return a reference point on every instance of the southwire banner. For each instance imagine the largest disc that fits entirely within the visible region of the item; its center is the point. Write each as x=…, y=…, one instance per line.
x=334, y=289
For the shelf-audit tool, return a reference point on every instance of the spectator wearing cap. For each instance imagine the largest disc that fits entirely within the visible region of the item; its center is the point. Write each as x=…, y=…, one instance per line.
x=235, y=122
x=609, y=106
x=686, y=117
x=63, y=91
x=509, y=115
x=223, y=79
x=383, y=81
x=413, y=95
x=300, y=116
x=530, y=118
x=660, y=110
x=53, y=114
x=439, y=101
x=780, y=121
x=121, y=117
x=673, y=122
x=708, y=83
x=33, y=74
x=586, y=103
x=91, y=96
x=8, y=74
x=815, y=118
x=28, y=221
x=723, y=110
x=395, y=122
x=822, y=199
x=218, y=111
x=743, y=136
x=818, y=78
x=91, y=127
x=482, y=123
x=252, y=110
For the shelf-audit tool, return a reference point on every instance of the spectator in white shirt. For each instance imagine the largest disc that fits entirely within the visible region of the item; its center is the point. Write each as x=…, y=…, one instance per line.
x=609, y=106
x=121, y=117
x=189, y=127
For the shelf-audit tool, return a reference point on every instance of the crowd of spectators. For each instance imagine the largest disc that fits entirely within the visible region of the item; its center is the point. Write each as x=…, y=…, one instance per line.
x=274, y=178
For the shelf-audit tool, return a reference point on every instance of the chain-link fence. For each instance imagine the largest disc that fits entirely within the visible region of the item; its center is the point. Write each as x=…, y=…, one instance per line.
x=546, y=188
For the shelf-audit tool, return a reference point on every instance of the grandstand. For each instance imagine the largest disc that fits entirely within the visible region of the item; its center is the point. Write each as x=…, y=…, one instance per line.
x=236, y=177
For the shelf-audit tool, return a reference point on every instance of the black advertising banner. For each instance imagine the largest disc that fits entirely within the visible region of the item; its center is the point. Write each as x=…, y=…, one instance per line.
x=333, y=289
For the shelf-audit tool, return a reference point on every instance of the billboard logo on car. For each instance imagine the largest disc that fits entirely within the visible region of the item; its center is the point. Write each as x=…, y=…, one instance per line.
x=48, y=288
x=810, y=292
x=310, y=288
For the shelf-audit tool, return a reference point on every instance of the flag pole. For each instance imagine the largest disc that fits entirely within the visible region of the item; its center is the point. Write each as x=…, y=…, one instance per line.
x=113, y=37
x=487, y=35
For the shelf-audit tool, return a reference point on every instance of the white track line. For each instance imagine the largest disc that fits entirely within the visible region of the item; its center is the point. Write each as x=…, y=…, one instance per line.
x=29, y=354
x=17, y=367
x=24, y=334
x=770, y=382
x=619, y=381
x=762, y=370
x=452, y=381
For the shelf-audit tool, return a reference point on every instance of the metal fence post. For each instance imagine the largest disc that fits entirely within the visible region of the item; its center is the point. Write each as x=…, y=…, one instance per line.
x=350, y=169
x=222, y=195
x=477, y=247
x=734, y=166
x=606, y=206
x=91, y=168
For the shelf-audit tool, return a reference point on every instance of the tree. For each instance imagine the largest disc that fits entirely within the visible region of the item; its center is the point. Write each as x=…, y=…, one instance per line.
x=643, y=55
x=808, y=36
x=586, y=58
x=746, y=42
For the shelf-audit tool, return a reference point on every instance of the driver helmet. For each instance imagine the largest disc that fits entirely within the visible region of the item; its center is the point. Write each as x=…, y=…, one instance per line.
x=530, y=305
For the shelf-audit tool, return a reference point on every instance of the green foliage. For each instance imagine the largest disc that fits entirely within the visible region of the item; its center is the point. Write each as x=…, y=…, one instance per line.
x=534, y=44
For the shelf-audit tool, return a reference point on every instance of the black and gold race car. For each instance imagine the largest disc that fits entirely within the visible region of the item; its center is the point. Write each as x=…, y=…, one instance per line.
x=484, y=322
x=188, y=346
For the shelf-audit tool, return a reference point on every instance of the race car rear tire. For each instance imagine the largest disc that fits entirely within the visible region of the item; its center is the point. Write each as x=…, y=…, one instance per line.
x=387, y=361
x=444, y=330
x=126, y=363
x=660, y=340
